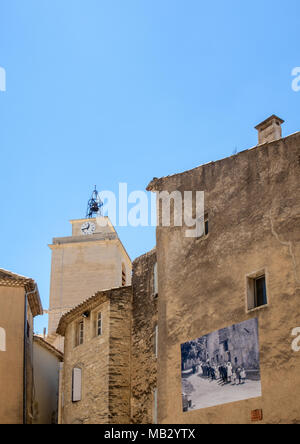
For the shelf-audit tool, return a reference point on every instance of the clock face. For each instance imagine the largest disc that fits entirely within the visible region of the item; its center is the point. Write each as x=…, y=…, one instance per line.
x=88, y=228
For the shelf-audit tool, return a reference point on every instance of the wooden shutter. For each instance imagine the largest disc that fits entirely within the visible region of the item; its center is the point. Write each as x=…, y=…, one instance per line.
x=77, y=383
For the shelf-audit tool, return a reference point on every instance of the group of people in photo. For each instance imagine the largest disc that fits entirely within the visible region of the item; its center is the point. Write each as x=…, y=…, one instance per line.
x=224, y=373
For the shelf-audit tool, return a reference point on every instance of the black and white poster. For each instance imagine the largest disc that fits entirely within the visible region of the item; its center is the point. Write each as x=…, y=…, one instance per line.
x=221, y=367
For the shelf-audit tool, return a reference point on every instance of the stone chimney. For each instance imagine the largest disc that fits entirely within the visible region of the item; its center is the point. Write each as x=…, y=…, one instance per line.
x=269, y=130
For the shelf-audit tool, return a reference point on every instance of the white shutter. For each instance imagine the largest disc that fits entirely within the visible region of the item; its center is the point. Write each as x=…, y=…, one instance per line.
x=2, y=340
x=77, y=375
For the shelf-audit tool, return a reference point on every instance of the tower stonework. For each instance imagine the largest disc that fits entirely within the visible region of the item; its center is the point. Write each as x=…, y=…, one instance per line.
x=90, y=260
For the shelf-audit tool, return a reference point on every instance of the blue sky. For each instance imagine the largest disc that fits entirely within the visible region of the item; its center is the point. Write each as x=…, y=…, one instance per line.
x=102, y=92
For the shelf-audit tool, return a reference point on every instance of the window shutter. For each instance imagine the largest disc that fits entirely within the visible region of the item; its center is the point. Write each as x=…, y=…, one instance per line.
x=76, y=390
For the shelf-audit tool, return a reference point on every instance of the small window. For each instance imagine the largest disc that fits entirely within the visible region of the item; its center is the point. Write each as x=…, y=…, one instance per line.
x=79, y=333
x=256, y=291
x=76, y=384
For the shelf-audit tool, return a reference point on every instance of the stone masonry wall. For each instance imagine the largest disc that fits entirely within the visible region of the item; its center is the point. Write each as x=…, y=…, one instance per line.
x=253, y=205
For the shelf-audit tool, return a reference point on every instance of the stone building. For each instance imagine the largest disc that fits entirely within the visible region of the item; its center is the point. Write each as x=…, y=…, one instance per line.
x=246, y=265
x=19, y=304
x=92, y=259
x=97, y=362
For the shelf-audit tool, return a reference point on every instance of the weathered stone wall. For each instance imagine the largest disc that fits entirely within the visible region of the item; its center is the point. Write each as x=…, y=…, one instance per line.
x=253, y=206
x=144, y=361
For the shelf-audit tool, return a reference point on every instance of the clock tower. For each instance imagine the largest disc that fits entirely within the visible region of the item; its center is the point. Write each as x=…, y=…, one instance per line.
x=92, y=259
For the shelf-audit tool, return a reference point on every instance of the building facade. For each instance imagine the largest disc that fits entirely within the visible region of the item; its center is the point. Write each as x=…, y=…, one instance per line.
x=20, y=303
x=245, y=266
x=47, y=363
x=92, y=259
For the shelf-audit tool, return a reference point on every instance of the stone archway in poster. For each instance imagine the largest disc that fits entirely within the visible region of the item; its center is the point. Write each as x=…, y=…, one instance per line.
x=221, y=367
